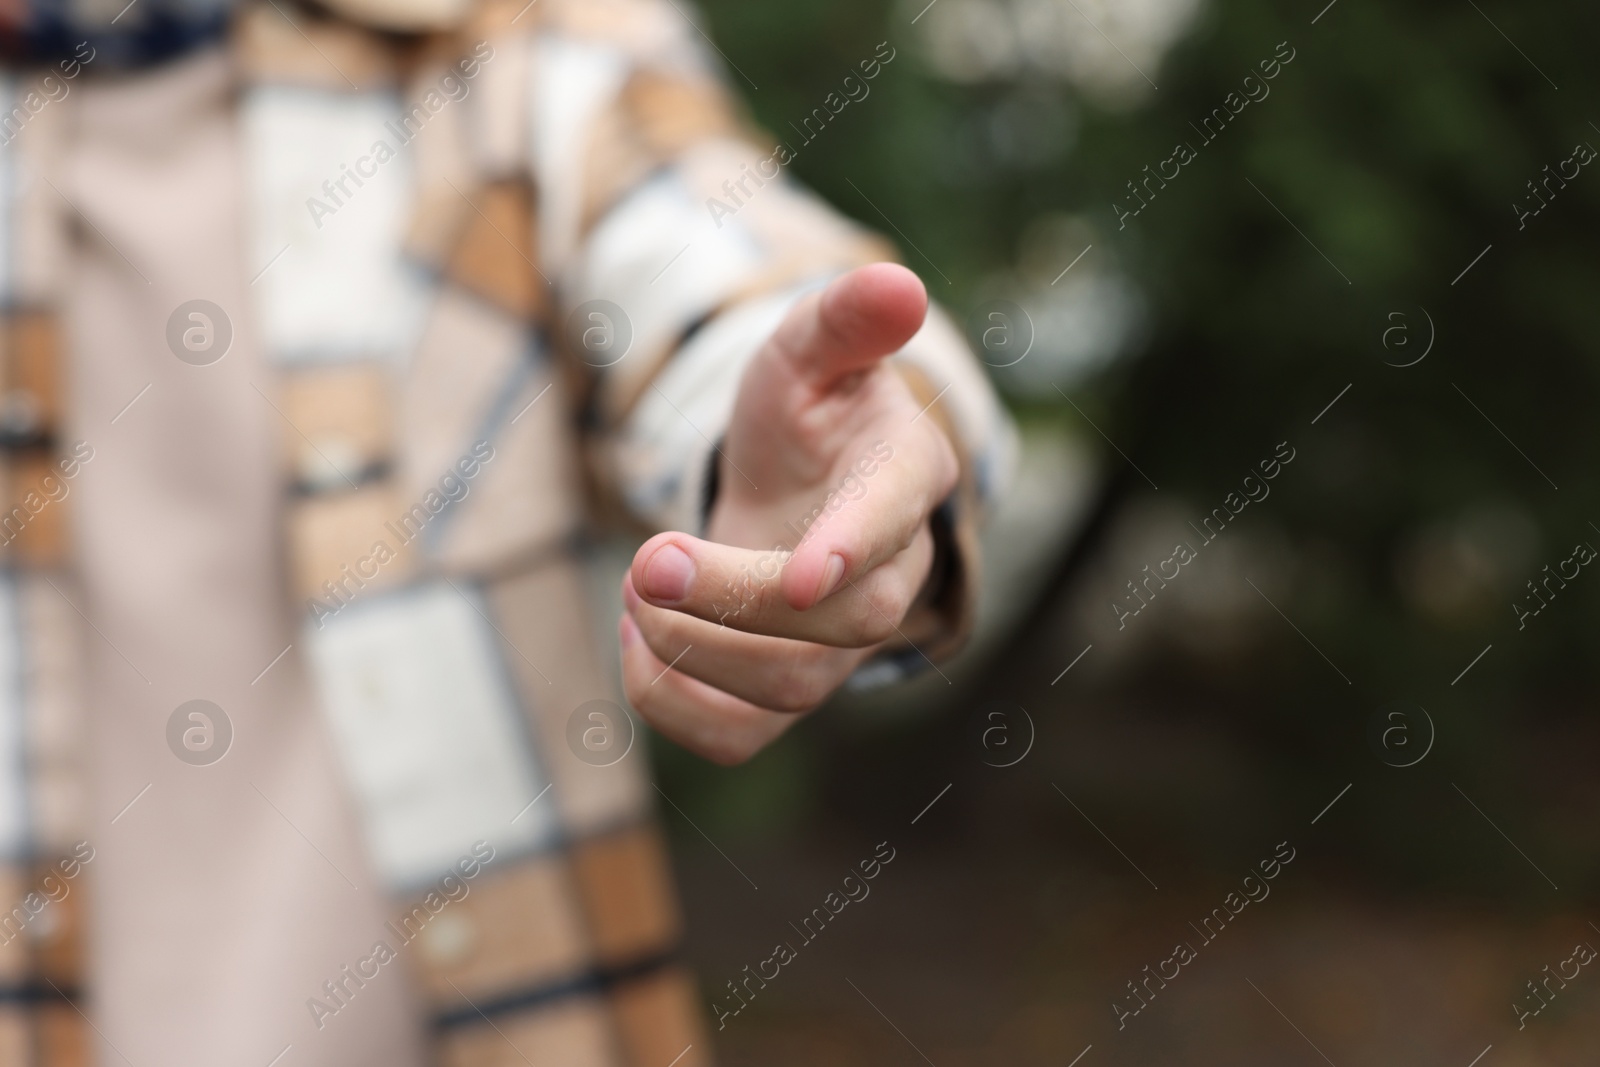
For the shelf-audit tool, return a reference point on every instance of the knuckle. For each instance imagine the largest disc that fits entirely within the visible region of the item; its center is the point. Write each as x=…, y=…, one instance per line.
x=639, y=693
x=882, y=607
x=803, y=683
x=650, y=633
x=949, y=472
x=664, y=640
x=872, y=626
x=906, y=538
x=899, y=603
x=946, y=467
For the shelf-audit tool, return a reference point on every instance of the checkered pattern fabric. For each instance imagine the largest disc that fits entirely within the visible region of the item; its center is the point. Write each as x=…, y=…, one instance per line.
x=500, y=313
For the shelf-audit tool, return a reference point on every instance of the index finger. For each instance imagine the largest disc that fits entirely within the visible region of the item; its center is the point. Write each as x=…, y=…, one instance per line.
x=857, y=320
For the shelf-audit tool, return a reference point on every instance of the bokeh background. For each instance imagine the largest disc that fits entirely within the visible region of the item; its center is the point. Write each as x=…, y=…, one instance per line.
x=1364, y=235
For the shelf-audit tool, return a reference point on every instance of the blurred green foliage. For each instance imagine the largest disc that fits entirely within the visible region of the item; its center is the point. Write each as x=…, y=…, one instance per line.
x=1396, y=144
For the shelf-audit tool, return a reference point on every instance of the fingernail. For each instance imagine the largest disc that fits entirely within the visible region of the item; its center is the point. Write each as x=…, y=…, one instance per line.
x=832, y=575
x=668, y=573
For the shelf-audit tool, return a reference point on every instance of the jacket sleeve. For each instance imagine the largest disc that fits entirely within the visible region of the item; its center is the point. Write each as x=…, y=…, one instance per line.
x=675, y=239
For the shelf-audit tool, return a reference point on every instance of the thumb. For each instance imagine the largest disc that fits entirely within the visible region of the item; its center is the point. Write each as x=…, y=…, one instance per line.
x=857, y=320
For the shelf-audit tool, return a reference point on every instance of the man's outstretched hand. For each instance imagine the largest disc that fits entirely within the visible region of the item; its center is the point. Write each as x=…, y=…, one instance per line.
x=821, y=427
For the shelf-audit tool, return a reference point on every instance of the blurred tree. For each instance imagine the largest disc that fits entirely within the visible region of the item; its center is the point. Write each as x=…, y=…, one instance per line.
x=1388, y=191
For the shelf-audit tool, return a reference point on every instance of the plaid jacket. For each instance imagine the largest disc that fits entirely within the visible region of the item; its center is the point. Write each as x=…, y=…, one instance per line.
x=510, y=276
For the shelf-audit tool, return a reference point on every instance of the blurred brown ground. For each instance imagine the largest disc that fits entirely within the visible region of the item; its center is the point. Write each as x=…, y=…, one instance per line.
x=1402, y=933
x=989, y=956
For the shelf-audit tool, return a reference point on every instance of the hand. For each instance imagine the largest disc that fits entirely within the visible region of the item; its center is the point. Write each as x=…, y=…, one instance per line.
x=755, y=636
